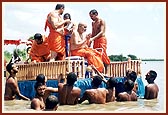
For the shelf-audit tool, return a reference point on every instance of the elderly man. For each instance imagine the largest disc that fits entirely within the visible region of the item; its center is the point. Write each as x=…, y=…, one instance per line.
x=79, y=47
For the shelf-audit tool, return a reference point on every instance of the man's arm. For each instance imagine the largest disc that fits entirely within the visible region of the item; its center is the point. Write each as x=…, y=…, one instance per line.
x=54, y=20
x=15, y=88
x=146, y=93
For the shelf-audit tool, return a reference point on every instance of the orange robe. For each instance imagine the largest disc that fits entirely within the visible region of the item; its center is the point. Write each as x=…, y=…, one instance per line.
x=102, y=43
x=56, y=42
x=40, y=52
x=93, y=57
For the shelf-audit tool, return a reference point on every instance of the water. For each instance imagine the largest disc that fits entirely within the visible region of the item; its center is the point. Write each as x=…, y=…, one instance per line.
x=141, y=106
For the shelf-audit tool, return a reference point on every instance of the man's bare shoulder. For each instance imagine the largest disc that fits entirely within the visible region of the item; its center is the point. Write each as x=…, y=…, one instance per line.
x=76, y=89
x=53, y=14
x=11, y=80
x=151, y=85
x=60, y=84
x=35, y=101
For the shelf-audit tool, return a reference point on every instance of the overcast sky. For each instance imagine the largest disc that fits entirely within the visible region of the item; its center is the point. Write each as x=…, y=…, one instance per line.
x=131, y=28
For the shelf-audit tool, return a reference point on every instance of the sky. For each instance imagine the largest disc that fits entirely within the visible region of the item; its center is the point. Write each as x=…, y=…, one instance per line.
x=137, y=28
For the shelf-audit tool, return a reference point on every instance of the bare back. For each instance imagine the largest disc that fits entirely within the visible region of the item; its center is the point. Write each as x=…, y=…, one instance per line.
x=124, y=96
x=151, y=91
x=68, y=95
x=97, y=96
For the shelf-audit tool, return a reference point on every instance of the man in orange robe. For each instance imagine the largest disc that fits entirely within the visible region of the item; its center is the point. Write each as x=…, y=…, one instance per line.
x=40, y=51
x=79, y=47
x=98, y=36
x=56, y=36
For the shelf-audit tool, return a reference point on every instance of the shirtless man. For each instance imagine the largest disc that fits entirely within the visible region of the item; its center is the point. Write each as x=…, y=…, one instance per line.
x=40, y=51
x=11, y=87
x=98, y=36
x=128, y=94
x=111, y=83
x=68, y=94
x=79, y=47
x=151, y=90
x=95, y=95
x=37, y=102
x=56, y=36
x=43, y=79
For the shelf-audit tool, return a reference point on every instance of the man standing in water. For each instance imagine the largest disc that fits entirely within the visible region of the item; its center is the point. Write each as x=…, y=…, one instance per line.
x=68, y=94
x=56, y=36
x=95, y=95
x=151, y=90
x=37, y=102
x=98, y=36
x=11, y=87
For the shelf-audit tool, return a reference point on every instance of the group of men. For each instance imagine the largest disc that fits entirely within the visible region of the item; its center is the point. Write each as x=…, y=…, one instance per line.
x=53, y=47
x=69, y=94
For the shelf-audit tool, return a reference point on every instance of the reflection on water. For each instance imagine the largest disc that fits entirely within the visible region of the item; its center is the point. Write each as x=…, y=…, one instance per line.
x=141, y=105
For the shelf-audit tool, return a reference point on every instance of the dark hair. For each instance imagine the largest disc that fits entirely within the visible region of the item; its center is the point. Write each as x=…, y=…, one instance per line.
x=40, y=78
x=153, y=74
x=9, y=67
x=132, y=76
x=59, y=6
x=67, y=16
x=37, y=84
x=129, y=85
x=71, y=78
x=51, y=102
x=94, y=12
x=112, y=82
x=96, y=81
x=37, y=36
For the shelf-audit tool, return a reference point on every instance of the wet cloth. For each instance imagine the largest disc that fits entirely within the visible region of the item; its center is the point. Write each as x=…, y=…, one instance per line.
x=56, y=41
x=102, y=43
x=93, y=57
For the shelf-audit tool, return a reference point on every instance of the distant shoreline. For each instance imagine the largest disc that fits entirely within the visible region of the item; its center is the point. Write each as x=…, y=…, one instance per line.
x=152, y=59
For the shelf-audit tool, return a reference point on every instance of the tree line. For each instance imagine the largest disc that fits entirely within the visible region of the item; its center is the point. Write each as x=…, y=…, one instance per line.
x=23, y=55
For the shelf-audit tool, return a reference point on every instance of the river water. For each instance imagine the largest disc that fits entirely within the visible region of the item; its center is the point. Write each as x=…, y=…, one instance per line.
x=141, y=106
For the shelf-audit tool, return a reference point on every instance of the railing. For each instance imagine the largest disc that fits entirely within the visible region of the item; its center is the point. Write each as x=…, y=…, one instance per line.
x=120, y=68
x=53, y=69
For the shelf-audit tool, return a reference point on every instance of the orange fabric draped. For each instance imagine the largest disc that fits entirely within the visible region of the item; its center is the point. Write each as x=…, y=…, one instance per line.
x=40, y=52
x=56, y=42
x=102, y=43
x=93, y=57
